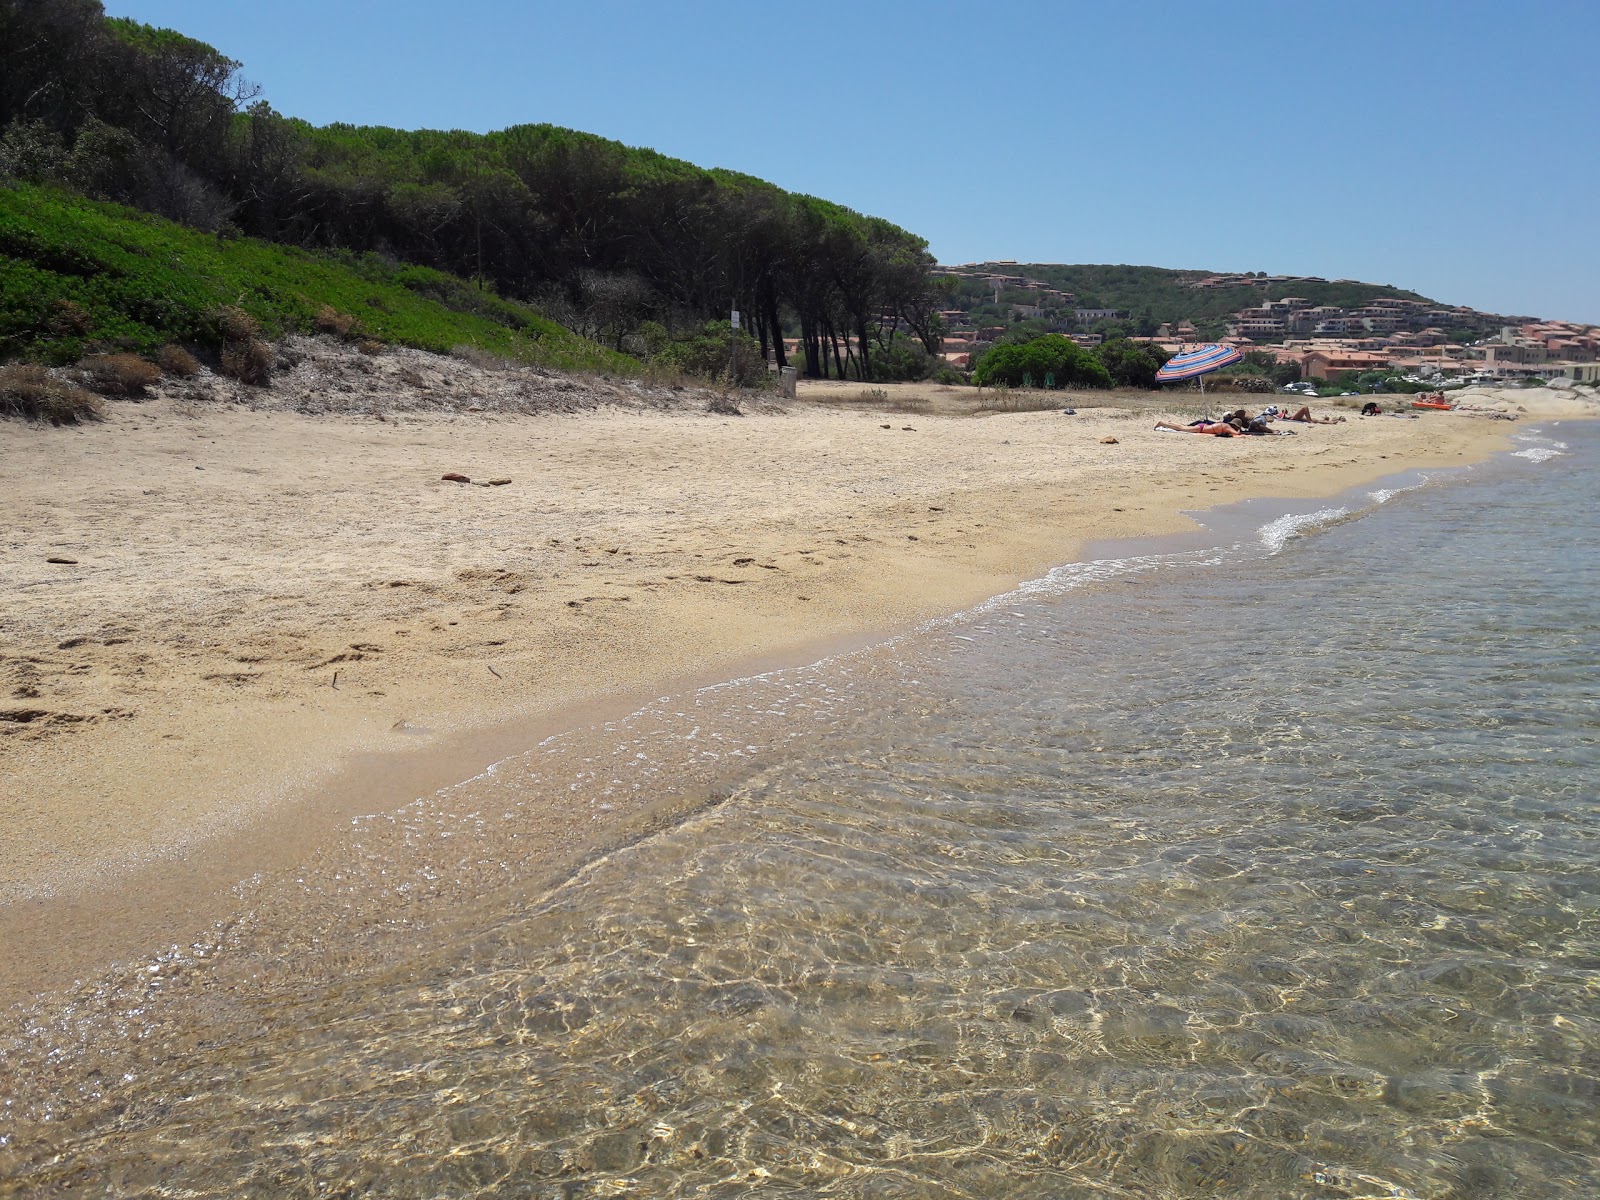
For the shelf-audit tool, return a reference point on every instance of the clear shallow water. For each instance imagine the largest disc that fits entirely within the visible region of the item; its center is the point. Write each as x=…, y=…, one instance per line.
x=1265, y=869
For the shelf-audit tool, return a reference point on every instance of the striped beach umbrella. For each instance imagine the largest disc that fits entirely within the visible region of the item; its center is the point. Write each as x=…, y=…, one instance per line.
x=1197, y=364
x=1191, y=364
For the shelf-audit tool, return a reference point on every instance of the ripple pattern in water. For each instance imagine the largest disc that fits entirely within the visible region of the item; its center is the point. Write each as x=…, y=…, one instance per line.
x=1270, y=879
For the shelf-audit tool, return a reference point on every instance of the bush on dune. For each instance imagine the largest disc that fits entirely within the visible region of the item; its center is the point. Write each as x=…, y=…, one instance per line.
x=330, y=320
x=119, y=374
x=30, y=391
x=248, y=361
x=177, y=362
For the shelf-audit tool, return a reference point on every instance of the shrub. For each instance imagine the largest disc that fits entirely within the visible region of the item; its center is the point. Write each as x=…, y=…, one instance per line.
x=370, y=346
x=706, y=353
x=235, y=325
x=31, y=150
x=68, y=319
x=120, y=374
x=903, y=359
x=248, y=361
x=177, y=362
x=330, y=320
x=1051, y=360
x=32, y=392
x=873, y=396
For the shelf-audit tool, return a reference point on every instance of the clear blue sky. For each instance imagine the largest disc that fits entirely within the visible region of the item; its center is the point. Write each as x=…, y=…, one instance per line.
x=1451, y=146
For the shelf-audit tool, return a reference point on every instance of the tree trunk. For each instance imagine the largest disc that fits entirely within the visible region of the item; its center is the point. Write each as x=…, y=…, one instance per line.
x=838, y=359
x=808, y=340
x=777, y=329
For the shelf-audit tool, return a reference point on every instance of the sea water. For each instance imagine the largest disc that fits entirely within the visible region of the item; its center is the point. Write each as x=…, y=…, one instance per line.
x=1257, y=864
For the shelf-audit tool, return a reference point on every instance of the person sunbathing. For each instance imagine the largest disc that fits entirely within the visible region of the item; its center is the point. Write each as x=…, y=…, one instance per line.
x=1214, y=428
x=1304, y=416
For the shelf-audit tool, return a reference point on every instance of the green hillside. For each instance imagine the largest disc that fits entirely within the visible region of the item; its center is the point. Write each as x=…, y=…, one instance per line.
x=619, y=244
x=1153, y=295
x=78, y=274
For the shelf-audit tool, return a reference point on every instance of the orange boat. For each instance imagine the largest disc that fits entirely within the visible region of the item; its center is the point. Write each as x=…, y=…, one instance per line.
x=1434, y=400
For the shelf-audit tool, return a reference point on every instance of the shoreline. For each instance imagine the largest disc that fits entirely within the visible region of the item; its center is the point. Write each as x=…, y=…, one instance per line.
x=351, y=768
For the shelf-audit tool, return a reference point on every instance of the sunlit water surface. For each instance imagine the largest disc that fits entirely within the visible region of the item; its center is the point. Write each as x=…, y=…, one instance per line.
x=1258, y=868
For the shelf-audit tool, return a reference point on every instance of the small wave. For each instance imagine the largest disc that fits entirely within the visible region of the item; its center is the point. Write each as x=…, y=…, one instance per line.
x=1384, y=495
x=1537, y=453
x=1275, y=535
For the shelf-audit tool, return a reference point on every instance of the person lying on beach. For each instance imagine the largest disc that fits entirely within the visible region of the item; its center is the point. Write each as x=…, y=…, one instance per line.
x=1304, y=414
x=1214, y=428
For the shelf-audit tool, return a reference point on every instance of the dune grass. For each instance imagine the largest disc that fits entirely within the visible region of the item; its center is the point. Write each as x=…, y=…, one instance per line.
x=28, y=390
x=78, y=276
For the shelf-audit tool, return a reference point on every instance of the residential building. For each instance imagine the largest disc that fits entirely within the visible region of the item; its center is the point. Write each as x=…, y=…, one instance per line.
x=1330, y=364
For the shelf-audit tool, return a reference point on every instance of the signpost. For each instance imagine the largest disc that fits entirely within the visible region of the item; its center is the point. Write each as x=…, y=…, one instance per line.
x=733, y=350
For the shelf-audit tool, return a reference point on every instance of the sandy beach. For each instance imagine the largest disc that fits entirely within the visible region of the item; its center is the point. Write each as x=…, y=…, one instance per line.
x=259, y=623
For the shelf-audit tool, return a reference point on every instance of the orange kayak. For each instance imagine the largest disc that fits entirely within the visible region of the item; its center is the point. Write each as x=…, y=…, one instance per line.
x=1440, y=405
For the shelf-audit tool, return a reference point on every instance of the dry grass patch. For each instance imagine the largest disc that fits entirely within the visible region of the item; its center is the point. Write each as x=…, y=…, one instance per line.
x=330, y=320
x=245, y=356
x=235, y=325
x=1003, y=399
x=177, y=362
x=32, y=392
x=248, y=361
x=119, y=374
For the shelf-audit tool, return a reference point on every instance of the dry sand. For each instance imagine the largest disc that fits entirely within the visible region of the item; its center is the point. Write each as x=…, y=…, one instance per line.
x=274, y=619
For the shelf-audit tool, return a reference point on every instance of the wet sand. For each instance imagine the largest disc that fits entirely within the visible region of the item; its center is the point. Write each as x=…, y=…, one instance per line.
x=273, y=622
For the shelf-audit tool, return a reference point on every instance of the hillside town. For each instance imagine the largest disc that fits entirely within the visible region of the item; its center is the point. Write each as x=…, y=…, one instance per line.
x=1327, y=342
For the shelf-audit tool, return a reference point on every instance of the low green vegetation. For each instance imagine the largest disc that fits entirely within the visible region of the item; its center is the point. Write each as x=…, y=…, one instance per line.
x=78, y=275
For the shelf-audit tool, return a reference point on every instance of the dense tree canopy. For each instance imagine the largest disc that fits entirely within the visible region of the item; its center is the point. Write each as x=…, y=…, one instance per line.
x=604, y=236
x=1051, y=360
